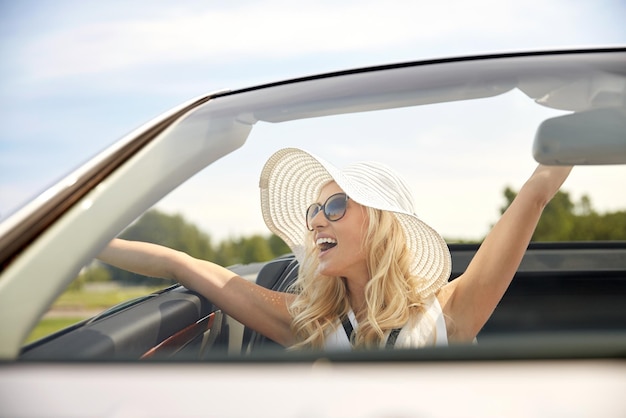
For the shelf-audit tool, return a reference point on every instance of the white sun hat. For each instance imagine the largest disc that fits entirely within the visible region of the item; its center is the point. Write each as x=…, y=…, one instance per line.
x=292, y=179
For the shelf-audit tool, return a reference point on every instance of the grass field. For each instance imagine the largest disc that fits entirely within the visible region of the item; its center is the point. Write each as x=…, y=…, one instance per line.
x=90, y=299
x=49, y=325
x=75, y=305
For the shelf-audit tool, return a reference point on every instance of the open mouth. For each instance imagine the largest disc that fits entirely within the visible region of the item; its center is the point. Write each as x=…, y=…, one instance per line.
x=325, y=244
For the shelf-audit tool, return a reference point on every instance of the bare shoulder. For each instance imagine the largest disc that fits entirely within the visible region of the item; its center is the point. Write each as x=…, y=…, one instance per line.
x=445, y=294
x=458, y=319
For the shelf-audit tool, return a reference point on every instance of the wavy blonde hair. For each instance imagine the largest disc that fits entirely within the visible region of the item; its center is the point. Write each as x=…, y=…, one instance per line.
x=390, y=295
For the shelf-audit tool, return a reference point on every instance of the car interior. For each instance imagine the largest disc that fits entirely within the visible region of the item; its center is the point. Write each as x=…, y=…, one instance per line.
x=177, y=323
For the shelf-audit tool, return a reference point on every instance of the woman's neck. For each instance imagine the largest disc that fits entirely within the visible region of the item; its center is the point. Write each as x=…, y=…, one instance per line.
x=356, y=297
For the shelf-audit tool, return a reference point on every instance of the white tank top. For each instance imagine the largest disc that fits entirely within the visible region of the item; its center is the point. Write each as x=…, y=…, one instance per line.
x=425, y=329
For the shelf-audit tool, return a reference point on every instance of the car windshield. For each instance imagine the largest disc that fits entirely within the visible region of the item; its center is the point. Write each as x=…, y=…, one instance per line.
x=460, y=140
x=461, y=134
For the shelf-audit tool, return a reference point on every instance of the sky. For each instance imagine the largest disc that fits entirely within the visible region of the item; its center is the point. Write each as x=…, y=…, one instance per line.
x=75, y=76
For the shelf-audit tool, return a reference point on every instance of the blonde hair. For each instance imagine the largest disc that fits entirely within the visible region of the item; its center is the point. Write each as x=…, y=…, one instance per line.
x=390, y=295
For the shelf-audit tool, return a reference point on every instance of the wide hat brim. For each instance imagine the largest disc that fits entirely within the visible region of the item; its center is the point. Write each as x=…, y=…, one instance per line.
x=292, y=179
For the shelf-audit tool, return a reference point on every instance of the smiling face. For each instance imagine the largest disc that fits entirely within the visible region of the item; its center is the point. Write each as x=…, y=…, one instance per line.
x=340, y=243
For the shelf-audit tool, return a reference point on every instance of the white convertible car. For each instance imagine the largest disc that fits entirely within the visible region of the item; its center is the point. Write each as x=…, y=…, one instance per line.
x=460, y=128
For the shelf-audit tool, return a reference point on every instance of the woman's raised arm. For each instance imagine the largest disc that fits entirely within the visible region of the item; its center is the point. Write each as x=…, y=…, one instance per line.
x=470, y=300
x=256, y=307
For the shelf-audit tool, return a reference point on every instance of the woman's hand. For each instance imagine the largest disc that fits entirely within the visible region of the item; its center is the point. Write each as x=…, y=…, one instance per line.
x=259, y=308
x=545, y=182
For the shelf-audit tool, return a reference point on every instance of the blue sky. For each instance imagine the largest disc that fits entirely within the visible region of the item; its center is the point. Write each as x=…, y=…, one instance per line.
x=75, y=76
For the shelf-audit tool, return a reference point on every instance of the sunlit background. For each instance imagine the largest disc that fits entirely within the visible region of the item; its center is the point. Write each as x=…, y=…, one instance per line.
x=76, y=76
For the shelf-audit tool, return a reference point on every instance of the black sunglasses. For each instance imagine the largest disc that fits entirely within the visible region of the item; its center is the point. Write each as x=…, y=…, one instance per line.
x=334, y=209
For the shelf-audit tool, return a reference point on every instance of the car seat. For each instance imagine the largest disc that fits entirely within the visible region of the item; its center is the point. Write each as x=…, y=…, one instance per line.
x=279, y=274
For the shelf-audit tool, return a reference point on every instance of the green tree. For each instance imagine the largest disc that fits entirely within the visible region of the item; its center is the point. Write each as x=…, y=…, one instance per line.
x=171, y=231
x=249, y=250
x=564, y=220
x=227, y=254
x=168, y=230
x=278, y=246
x=96, y=273
x=593, y=226
x=557, y=221
x=255, y=248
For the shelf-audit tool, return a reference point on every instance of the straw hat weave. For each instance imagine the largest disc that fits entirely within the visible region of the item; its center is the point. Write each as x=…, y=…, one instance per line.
x=292, y=179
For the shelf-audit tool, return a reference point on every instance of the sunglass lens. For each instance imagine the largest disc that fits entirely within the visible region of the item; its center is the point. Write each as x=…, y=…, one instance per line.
x=310, y=214
x=335, y=207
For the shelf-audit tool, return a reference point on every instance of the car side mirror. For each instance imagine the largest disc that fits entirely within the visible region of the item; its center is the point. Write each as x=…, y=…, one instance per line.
x=592, y=137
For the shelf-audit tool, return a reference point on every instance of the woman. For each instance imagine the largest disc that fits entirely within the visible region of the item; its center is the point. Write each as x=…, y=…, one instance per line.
x=371, y=273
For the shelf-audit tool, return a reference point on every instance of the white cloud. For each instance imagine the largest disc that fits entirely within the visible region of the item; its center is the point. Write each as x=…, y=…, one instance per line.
x=84, y=73
x=277, y=29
